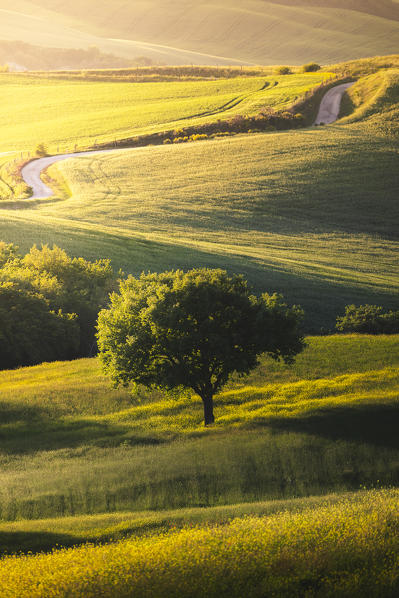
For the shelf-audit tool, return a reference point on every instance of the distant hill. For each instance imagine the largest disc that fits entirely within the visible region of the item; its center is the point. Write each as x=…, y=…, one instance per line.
x=23, y=56
x=199, y=32
x=387, y=9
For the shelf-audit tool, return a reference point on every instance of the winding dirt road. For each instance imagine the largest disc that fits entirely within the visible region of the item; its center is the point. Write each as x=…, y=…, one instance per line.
x=328, y=113
x=32, y=171
x=331, y=104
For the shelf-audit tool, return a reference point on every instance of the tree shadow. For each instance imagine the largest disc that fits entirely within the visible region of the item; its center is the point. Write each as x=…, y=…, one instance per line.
x=21, y=412
x=34, y=542
x=28, y=430
x=377, y=425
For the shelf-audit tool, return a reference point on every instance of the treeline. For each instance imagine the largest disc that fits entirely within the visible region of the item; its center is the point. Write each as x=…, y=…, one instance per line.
x=31, y=57
x=49, y=304
x=146, y=72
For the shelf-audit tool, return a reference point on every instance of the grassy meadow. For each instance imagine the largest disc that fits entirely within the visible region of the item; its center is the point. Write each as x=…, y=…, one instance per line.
x=327, y=424
x=356, y=556
x=293, y=211
x=64, y=113
x=293, y=491
x=298, y=458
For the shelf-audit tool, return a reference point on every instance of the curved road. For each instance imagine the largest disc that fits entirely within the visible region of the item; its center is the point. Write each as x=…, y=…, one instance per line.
x=32, y=171
x=331, y=104
x=328, y=113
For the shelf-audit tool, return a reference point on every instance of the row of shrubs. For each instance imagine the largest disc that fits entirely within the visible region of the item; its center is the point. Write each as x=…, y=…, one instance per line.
x=310, y=67
x=267, y=120
x=368, y=319
x=300, y=115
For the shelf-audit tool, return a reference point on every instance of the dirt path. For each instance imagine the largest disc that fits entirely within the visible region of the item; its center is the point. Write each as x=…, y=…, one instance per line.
x=32, y=171
x=331, y=104
x=328, y=113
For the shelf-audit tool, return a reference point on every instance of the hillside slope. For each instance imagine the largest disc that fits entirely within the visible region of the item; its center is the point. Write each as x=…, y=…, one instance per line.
x=73, y=445
x=310, y=213
x=262, y=32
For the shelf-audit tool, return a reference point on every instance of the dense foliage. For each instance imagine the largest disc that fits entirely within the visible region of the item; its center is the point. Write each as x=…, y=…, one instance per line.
x=368, y=319
x=193, y=330
x=49, y=304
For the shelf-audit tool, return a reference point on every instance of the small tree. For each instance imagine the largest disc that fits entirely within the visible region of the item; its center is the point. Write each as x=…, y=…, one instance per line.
x=193, y=330
x=41, y=150
x=311, y=67
x=368, y=319
x=283, y=70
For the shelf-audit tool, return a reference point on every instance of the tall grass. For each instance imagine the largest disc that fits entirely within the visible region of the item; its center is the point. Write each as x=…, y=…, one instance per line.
x=349, y=549
x=64, y=429
x=268, y=464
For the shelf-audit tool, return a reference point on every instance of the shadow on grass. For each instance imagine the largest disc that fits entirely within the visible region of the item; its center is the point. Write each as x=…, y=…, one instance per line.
x=322, y=299
x=14, y=412
x=23, y=542
x=34, y=542
x=41, y=433
x=377, y=425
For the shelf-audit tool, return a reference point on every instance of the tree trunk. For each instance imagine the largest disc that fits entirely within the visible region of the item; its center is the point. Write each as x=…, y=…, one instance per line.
x=208, y=410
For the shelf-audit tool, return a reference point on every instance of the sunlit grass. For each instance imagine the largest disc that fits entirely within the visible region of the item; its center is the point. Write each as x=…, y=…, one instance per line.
x=63, y=114
x=327, y=424
x=307, y=213
x=249, y=204
x=346, y=549
x=259, y=32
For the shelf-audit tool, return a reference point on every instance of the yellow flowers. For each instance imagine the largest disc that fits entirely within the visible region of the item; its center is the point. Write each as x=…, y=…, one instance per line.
x=347, y=549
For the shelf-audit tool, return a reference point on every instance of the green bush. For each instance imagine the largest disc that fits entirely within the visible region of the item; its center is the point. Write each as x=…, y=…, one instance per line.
x=41, y=150
x=368, y=319
x=283, y=70
x=311, y=67
x=198, y=137
x=49, y=304
x=30, y=332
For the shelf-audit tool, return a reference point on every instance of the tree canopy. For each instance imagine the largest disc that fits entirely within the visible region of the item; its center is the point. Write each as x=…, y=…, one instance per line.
x=193, y=330
x=368, y=319
x=49, y=304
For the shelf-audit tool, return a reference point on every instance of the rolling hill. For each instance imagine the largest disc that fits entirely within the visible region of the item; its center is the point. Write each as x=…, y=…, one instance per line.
x=289, y=457
x=310, y=213
x=185, y=32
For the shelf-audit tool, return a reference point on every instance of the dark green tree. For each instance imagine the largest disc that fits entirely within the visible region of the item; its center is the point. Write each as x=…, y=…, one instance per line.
x=80, y=287
x=193, y=330
x=368, y=319
x=67, y=289
x=30, y=332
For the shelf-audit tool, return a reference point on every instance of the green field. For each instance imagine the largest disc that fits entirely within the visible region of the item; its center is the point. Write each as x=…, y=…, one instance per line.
x=356, y=539
x=293, y=447
x=65, y=113
x=306, y=457
x=310, y=213
x=192, y=32
x=327, y=424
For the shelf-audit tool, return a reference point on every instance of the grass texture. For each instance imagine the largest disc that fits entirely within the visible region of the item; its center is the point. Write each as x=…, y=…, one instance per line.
x=260, y=32
x=308, y=213
x=347, y=549
x=62, y=113
x=328, y=425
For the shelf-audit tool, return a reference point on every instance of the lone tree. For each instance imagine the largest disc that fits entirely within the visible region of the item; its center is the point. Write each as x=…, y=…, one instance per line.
x=193, y=330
